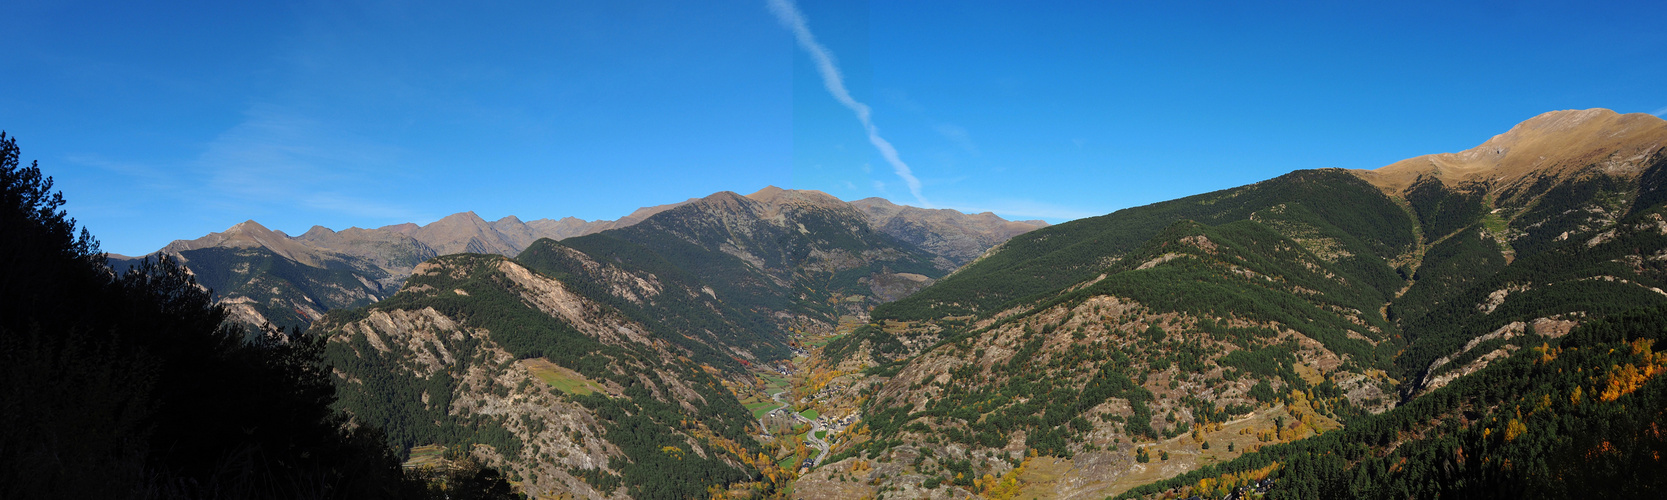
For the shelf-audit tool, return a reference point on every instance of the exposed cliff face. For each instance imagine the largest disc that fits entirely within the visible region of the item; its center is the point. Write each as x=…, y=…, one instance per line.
x=485, y=382
x=524, y=373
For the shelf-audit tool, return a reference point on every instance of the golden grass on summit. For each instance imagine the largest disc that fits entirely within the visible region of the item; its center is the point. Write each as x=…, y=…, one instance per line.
x=1554, y=143
x=563, y=379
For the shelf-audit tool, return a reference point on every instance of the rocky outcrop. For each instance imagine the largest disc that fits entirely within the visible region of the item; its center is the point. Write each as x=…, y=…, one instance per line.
x=423, y=374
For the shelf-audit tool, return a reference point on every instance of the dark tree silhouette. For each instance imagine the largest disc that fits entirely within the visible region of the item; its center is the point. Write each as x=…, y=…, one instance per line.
x=133, y=385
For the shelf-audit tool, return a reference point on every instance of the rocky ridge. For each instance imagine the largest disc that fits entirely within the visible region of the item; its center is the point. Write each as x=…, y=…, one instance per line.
x=236, y=262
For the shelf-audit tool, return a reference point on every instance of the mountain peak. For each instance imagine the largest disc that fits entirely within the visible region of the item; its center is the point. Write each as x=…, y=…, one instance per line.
x=249, y=234
x=317, y=232
x=464, y=232
x=1555, y=143
x=767, y=192
x=465, y=217
x=254, y=230
x=248, y=226
x=402, y=228
x=725, y=199
x=876, y=201
x=772, y=195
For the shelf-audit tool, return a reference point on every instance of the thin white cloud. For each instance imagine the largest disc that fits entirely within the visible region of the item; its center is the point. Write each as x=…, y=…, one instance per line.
x=1660, y=112
x=788, y=14
x=277, y=152
x=134, y=174
x=959, y=136
x=279, y=160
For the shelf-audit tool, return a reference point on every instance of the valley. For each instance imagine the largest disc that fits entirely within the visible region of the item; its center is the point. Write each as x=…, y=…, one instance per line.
x=825, y=250
x=788, y=344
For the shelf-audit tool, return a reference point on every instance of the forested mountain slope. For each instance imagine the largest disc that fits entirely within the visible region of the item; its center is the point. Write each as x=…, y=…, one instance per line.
x=1251, y=315
x=791, y=256
x=570, y=396
x=1538, y=229
x=597, y=366
x=1335, y=213
x=1575, y=417
x=1200, y=333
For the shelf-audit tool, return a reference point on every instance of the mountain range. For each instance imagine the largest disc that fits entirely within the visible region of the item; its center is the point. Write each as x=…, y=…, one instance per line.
x=622, y=335
x=1480, y=323
x=264, y=276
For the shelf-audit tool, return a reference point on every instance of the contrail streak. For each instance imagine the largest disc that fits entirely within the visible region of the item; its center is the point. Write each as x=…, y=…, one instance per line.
x=834, y=81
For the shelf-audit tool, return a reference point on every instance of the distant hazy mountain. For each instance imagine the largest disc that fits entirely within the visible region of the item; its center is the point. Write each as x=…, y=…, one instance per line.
x=268, y=276
x=954, y=235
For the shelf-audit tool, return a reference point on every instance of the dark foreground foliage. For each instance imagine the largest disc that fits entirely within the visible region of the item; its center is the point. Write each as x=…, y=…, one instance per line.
x=132, y=385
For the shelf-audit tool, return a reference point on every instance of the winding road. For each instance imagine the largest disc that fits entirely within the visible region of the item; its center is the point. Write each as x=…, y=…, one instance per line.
x=818, y=442
x=777, y=398
x=821, y=446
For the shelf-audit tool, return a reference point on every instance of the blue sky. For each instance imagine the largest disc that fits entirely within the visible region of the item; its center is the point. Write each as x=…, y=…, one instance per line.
x=174, y=120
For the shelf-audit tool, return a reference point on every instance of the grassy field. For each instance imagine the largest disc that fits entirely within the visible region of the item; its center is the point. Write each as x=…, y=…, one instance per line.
x=1498, y=227
x=810, y=414
x=760, y=404
x=760, y=408
x=562, y=379
x=427, y=456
